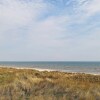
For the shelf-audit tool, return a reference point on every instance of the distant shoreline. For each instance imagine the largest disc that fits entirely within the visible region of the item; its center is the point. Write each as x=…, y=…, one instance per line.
x=46, y=69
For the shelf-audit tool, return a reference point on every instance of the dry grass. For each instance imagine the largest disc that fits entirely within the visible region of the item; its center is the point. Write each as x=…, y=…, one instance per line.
x=28, y=84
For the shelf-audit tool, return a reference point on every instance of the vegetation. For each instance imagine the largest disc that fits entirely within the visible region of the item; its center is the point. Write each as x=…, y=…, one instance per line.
x=28, y=84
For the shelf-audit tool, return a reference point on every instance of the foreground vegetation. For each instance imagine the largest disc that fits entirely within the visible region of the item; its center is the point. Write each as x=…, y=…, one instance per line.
x=28, y=84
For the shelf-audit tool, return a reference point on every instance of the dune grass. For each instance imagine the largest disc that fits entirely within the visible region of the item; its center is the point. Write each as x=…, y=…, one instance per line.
x=28, y=84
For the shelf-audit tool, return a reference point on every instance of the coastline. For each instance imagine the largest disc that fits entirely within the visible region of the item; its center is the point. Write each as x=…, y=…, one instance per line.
x=15, y=67
x=49, y=70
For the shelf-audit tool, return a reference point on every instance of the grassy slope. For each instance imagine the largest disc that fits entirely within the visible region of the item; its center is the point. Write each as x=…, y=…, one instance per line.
x=27, y=84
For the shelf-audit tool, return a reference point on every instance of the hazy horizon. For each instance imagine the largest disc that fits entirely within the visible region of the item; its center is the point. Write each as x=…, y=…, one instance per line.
x=47, y=61
x=49, y=30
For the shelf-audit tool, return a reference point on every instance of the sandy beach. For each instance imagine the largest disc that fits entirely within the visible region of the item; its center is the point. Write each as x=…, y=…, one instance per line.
x=42, y=69
x=39, y=69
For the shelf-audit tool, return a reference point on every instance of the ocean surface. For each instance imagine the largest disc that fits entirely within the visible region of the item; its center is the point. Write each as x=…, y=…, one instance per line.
x=81, y=67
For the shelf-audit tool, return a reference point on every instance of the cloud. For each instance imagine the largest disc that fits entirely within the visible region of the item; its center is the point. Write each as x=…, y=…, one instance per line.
x=93, y=7
x=49, y=30
x=15, y=15
x=86, y=9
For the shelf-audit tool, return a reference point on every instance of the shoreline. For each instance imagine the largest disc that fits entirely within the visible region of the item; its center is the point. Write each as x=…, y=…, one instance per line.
x=49, y=70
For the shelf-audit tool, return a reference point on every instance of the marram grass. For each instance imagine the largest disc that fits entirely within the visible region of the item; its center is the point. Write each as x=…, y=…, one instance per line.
x=28, y=84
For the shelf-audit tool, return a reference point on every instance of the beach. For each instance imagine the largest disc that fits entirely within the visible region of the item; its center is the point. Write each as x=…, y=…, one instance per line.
x=69, y=70
x=75, y=67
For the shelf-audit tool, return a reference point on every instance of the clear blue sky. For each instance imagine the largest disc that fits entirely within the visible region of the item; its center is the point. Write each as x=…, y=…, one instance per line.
x=39, y=30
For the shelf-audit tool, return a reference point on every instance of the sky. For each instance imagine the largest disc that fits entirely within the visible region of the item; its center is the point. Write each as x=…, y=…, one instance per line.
x=49, y=30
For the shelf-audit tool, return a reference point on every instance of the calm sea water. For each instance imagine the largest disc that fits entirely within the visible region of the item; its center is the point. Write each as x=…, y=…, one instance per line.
x=83, y=67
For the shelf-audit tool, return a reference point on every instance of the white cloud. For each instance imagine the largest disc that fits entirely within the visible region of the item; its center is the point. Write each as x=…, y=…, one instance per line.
x=45, y=35
x=16, y=14
x=28, y=31
x=88, y=9
x=93, y=7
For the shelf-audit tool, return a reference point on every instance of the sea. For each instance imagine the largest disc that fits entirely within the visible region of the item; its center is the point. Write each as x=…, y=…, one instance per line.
x=64, y=66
